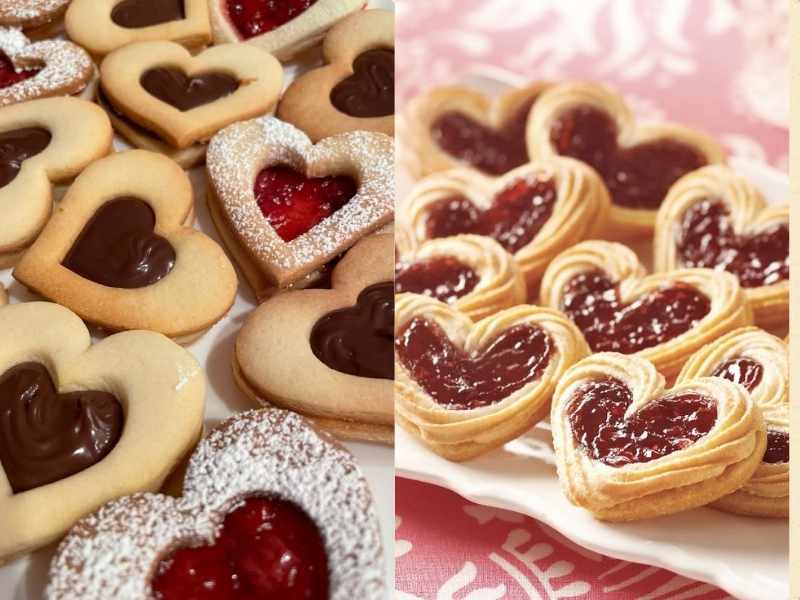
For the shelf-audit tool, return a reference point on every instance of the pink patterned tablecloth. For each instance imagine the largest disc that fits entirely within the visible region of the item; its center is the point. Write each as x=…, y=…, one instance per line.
x=721, y=65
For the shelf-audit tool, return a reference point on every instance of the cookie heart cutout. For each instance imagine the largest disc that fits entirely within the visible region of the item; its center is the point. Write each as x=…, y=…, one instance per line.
x=295, y=520
x=135, y=14
x=627, y=449
x=714, y=218
x=83, y=424
x=27, y=14
x=338, y=370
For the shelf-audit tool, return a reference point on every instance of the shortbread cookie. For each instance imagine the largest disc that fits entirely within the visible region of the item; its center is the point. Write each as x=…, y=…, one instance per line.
x=271, y=508
x=759, y=362
x=82, y=424
x=327, y=354
x=30, y=14
x=534, y=211
x=42, y=142
x=638, y=162
x=119, y=253
x=715, y=218
x=102, y=26
x=464, y=388
x=282, y=28
x=285, y=207
x=664, y=318
x=3, y=296
x=355, y=89
x=627, y=449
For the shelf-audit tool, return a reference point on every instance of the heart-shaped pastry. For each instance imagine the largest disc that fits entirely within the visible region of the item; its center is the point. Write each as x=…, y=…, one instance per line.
x=285, y=207
x=534, y=211
x=627, y=449
x=638, y=162
x=450, y=127
x=271, y=508
x=81, y=424
x=119, y=253
x=716, y=219
x=42, y=142
x=186, y=99
x=102, y=26
x=759, y=362
x=465, y=388
x=29, y=14
x=355, y=89
x=327, y=354
x=664, y=317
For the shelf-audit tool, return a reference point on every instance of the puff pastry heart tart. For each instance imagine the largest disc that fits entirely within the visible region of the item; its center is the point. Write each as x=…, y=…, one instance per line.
x=534, y=211
x=456, y=126
x=637, y=161
x=627, y=449
x=81, y=424
x=714, y=218
x=271, y=508
x=465, y=388
x=664, y=317
x=759, y=362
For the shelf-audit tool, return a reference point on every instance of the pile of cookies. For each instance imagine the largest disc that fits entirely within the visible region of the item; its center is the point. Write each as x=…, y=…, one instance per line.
x=521, y=297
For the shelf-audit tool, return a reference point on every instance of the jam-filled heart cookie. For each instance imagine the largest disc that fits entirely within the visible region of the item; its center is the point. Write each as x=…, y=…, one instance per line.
x=102, y=26
x=82, y=424
x=42, y=142
x=715, y=218
x=31, y=14
x=282, y=28
x=119, y=252
x=534, y=211
x=759, y=362
x=327, y=354
x=627, y=449
x=355, y=90
x=450, y=127
x=285, y=207
x=472, y=273
x=664, y=317
x=464, y=388
x=638, y=162
x=271, y=508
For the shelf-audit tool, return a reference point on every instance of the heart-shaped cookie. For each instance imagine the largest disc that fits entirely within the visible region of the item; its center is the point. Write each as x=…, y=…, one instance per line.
x=627, y=449
x=65, y=450
x=119, y=253
x=28, y=14
x=663, y=317
x=464, y=388
x=534, y=211
x=259, y=471
x=716, y=219
x=186, y=99
x=42, y=142
x=102, y=26
x=253, y=165
x=638, y=162
x=355, y=89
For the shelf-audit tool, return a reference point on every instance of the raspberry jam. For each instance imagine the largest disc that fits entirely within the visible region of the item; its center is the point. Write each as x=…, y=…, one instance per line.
x=513, y=220
x=706, y=239
x=267, y=548
x=462, y=381
x=254, y=17
x=744, y=371
x=597, y=417
x=636, y=177
x=9, y=75
x=777, y=447
x=443, y=277
x=293, y=203
x=592, y=301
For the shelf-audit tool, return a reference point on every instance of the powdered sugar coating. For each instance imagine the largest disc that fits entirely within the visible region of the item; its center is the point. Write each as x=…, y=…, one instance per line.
x=28, y=13
x=114, y=552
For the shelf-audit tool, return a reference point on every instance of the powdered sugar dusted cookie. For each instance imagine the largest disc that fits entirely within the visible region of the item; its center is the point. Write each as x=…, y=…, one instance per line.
x=28, y=14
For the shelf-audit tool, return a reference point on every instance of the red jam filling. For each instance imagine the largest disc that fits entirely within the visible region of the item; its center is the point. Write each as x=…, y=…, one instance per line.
x=777, y=447
x=514, y=218
x=293, y=203
x=462, y=381
x=444, y=278
x=254, y=17
x=597, y=417
x=744, y=371
x=592, y=301
x=267, y=548
x=706, y=239
x=636, y=177
x=9, y=75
